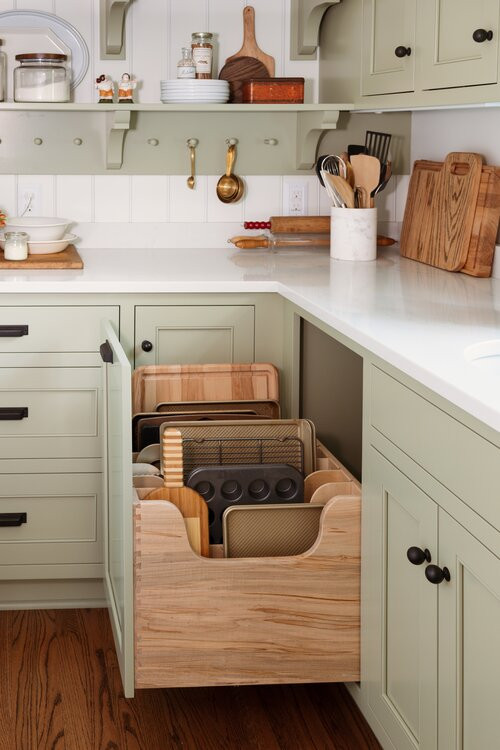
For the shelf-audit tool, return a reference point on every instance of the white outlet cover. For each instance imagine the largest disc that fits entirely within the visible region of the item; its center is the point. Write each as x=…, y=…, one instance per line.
x=295, y=198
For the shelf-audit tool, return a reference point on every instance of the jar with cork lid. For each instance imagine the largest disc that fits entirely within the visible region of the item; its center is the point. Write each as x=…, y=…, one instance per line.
x=202, y=49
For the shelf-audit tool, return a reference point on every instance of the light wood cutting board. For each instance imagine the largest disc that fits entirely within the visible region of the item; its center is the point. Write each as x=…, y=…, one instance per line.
x=440, y=211
x=69, y=259
x=157, y=384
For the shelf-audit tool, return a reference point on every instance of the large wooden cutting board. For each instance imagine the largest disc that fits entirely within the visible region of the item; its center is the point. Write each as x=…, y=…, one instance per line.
x=156, y=384
x=440, y=211
x=69, y=259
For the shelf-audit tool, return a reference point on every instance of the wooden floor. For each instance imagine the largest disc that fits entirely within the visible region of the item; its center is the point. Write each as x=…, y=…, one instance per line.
x=60, y=690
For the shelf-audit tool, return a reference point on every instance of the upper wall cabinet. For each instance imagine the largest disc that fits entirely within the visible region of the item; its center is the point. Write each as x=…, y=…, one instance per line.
x=388, y=46
x=458, y=42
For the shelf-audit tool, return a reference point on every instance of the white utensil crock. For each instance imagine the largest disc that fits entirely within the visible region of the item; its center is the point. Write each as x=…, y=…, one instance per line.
x=353, y=234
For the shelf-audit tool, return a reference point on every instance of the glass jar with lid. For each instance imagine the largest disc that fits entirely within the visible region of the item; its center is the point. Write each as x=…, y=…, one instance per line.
x=42, y=77
x=16, y=246
x=202, y=49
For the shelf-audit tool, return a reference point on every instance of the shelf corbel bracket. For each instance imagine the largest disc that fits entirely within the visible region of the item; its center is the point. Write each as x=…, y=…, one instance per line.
x=112, y=29
x=306, y=19
x=311, y=127
x=116, y=138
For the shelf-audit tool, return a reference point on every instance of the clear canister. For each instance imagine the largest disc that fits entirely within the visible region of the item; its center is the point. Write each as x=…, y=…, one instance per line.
x=16, y=246
x=42, y=77
x=202, y=50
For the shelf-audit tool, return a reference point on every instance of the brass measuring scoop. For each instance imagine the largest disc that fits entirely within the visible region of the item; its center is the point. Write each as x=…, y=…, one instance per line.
x=230, y=187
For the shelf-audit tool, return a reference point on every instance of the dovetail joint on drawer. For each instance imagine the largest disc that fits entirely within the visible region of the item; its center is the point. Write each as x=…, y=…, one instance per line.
x=13, y=331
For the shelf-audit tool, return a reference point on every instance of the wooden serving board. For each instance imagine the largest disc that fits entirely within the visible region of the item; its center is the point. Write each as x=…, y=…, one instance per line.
x=481, y=249
x=69, y=259
x=440, y=211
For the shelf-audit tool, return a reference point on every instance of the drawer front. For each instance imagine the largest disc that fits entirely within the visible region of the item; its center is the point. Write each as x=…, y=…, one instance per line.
x=53, y=329
x=190, y=335
x=464, y=462
x=62, y=512
x=59, y=410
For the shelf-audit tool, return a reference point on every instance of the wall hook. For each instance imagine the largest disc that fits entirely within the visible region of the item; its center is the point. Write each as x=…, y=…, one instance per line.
x=38, y=141
x=232, y=141
x=192, y=142
x=271, y=141
x=77, y=141
x=153, y=141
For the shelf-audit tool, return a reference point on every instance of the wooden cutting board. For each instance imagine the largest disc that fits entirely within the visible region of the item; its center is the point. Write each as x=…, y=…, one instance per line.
x=68, y=259
x=250, y=47
x=156, y=384
x=440, y=211
x=192, y=506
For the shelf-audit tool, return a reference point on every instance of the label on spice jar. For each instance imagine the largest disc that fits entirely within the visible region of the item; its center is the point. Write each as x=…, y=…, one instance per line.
x=186, y=71
x=202, y=57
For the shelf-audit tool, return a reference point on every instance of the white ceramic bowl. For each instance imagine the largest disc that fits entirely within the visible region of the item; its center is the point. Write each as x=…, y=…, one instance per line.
x=38, y=229
x=46, y=247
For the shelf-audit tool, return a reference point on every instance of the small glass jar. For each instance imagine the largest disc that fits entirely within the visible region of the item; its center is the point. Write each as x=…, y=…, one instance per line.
x=186, y=67
x=16, y=246
x=202, y=49
x=42, y=77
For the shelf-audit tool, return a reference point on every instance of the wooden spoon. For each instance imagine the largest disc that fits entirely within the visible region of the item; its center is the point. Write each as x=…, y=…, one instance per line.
x=366, y=174
x=344, y=190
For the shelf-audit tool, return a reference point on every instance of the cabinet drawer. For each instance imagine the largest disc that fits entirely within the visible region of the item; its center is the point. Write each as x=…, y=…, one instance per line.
x=53, y=329
x=62, y=512
x=464, y=462
x=192, y=334
x=62, y=412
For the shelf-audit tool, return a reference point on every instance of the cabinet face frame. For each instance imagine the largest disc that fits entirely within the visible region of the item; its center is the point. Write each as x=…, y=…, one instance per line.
x=382, y=72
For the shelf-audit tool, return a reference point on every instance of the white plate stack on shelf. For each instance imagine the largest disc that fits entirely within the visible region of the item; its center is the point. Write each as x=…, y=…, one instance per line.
x=194, y=91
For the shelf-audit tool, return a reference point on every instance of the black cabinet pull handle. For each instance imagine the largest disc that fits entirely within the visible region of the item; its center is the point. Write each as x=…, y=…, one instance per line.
x=13, y=519
x=13, y=332
x=13, y=413
x=435, y=574
x=402, y=51
x=147, y=346
x=481, y=35
x=418, y=556
x=106, y=352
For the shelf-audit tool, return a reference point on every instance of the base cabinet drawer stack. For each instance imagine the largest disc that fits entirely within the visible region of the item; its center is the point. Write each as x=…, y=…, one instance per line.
x=51, y=442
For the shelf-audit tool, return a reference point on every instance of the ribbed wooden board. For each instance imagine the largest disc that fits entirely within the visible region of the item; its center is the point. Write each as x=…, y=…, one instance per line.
x=155, y=384
x=440, y=211
x=69, y=259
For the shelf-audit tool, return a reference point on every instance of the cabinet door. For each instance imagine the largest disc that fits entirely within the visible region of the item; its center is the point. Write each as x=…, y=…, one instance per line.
x=387, y=26
x=399, y=616
x=448, y=55
x=469, y=641
x=118, y=526
x=192, y=334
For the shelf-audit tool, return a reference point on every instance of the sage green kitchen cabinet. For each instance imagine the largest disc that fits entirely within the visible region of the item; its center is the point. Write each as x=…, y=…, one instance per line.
x=448, y=54
x=388, y=46
x=400, y=615
x=469, y=641
x=194, y=334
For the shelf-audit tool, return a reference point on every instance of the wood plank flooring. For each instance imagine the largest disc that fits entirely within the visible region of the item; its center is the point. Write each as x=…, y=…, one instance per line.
x=60, y=689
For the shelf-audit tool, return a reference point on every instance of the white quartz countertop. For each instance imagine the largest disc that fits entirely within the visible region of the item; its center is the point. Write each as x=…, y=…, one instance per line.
x=417, y=318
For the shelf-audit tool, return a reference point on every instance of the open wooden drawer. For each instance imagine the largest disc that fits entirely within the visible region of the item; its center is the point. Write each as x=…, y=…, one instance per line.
x=181, y=620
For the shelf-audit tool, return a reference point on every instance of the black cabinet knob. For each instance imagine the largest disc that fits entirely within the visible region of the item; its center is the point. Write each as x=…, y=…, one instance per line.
x=481, y=35
x=435, y=574
x=147, y=346
x=418, y=556
x=402, y=51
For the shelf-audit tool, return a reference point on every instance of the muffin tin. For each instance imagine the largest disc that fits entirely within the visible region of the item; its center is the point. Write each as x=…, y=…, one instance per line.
x=255, y=484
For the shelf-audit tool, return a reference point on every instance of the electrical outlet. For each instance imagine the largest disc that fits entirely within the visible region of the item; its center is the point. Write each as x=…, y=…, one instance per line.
x=296, y=198
x=29, y=199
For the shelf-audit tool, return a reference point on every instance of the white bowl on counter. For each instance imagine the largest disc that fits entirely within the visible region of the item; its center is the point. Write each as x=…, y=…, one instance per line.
x=46, y=247
x=37, y=228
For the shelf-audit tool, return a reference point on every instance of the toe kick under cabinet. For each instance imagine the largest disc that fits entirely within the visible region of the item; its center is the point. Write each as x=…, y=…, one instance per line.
x=181, y=620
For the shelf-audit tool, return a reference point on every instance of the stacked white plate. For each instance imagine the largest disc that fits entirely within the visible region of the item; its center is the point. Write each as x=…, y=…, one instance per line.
x=194, y=91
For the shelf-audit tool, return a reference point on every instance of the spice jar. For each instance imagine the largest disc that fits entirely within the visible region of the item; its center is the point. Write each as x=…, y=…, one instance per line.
x=16, y=246
x=42, y=77
x=186, y=67
x=202, y=47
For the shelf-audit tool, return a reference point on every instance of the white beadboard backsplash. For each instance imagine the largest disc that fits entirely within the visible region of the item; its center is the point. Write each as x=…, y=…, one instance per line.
x=121, y=210
x=156, y=30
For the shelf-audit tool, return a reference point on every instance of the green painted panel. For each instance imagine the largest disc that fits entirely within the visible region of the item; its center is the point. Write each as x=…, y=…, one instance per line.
x=388, y=24
x=63, y=519
x=469, y=653
x=55, y=329
x=399, y=607
x=465, y=463
x=118, y=533
x=195, y=334
x=448, y=55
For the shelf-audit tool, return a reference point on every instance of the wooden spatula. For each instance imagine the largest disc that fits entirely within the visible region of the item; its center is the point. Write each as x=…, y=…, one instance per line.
x=366, y=174
x=190, y=503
